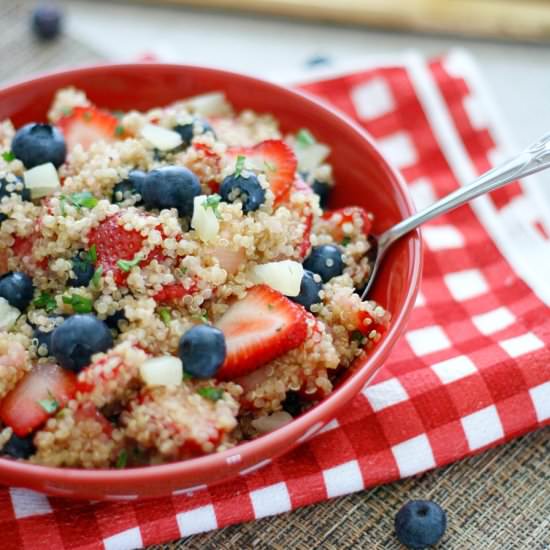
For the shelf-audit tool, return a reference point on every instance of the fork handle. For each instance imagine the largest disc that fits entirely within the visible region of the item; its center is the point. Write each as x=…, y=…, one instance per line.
x=533, y=159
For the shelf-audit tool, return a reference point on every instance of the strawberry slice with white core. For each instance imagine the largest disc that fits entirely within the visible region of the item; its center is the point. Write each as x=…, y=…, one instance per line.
x=41, y=393
x=275, y=159
x=86, y=125
x=257, y=329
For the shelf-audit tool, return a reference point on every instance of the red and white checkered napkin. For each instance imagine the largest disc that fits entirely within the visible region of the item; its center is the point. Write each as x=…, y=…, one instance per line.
x=472, y=371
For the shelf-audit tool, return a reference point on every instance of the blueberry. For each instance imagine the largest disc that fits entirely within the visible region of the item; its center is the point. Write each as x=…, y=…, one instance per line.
x=420, y=523
x=17, y=289
x=83, y=271
x=309, y=291
x=171, y=187
x=35, y=144
x=292, y=403
x=243, y=187
x=19, y=447
x=322, y=189
x=326, y=261
x=46, y=21
x=194, y=128
x=75, y=341
x=202, y=351
x=8, y=187
x=113, y=320
x=130, y=186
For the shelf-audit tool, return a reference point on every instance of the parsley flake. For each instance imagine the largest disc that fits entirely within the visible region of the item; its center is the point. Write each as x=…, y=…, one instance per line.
x=239, y=165
x=67, y=111
x=357, y=336
x=304, y=138
x=201, y=317
x=165, y=315
x=96, y=277
x=122, y=459
x=126, y=265
x=80, y=304
x=45, y=301
x=92, y=254
x=8, y=156
x=50, y=405
x=83, y=200
x=214, y=394
x=119, y=130
x=87, y=116
x=213, y=202
x=187, y=376
x=345, y=241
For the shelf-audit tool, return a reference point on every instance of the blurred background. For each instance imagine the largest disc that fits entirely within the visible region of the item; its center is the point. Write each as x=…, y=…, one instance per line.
x=292, y=40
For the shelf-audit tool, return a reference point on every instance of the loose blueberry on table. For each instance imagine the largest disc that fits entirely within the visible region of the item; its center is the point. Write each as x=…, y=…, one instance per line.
x=420, y=524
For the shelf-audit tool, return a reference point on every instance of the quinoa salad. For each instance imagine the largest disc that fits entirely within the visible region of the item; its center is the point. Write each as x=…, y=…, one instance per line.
x=172, y=282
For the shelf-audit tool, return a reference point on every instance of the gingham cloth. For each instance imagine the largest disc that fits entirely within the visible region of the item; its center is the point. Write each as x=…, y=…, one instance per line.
x=472, y=372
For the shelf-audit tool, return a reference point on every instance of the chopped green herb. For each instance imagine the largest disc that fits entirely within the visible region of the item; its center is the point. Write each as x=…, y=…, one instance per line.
x=62, y=200
x=357, y=336
x=67, y=111
x=50, y=405
x=165, y=315
x=187, y=376
x=201, y=317
x=269, y=166
x=96, y=277
x=84, y=199
x=183, y=270
x=270, y=307
x=126, y=265
x=305, y=138
x=212, y=201
x=87, y=116
x=119, y=130
x=45, y=301
x=80, y=304
x=214, y=394
x=122, y=459
x=345, y=241
x=92, y=254
x=118, y=114
x=239, y=165
x=8, y=156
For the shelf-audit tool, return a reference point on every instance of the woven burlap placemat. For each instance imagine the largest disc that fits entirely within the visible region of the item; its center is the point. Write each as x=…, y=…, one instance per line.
x=499, y=500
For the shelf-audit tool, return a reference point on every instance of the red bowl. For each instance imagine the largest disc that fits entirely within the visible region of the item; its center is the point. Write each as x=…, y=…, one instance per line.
x=363, y=178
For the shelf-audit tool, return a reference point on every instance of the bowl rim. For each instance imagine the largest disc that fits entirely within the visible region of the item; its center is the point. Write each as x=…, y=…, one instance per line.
x=298, y=427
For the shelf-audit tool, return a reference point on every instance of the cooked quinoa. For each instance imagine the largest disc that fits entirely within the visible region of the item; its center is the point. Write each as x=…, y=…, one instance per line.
x=169, y=283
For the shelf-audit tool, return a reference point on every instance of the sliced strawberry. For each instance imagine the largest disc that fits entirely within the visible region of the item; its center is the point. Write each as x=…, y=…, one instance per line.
x=114, y=243
x=276, y=159
x=86, y=125
x=23, y=248
x=348, y=215
x=174, y=292
x=260, y=327
x=45, y=388
x=88, y=411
